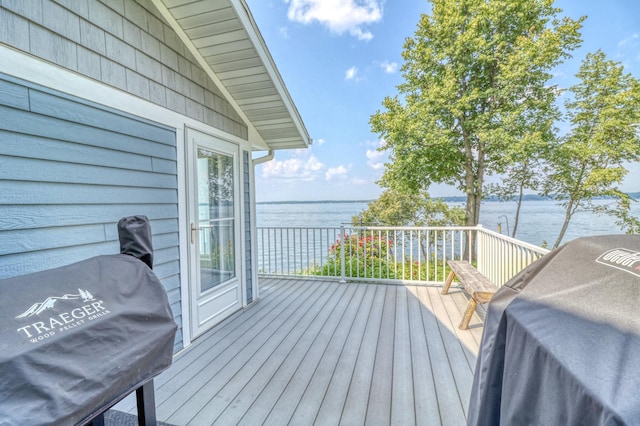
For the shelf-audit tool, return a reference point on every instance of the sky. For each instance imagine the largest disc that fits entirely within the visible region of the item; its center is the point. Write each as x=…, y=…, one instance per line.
x=340, y=58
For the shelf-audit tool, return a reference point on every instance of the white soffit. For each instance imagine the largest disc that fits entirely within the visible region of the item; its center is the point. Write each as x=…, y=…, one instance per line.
x=225, y=39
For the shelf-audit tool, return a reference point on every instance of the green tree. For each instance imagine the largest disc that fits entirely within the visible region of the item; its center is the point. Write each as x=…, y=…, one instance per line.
x=604, y=112
x=523, y=164
x=396, y=208
x=472, y=69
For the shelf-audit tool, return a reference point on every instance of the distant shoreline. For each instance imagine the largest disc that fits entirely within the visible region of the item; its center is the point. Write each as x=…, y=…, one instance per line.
x=455, y=199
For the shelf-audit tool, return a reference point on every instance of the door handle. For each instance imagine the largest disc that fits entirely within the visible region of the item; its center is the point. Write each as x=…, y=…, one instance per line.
x=193, y=233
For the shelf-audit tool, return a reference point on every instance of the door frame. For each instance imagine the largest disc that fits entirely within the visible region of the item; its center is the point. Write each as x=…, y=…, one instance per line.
x=226, y=147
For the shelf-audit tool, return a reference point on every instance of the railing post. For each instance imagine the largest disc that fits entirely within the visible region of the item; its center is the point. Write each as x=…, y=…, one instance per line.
x=343, y=275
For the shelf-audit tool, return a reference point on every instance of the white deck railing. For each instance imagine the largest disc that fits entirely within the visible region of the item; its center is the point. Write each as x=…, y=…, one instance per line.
x=389, y=254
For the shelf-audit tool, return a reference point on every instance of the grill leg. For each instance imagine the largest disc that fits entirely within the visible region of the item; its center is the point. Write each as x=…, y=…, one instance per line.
x=146, y=404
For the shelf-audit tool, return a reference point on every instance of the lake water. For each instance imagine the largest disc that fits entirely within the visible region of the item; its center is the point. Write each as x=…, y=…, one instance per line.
x=540, y=220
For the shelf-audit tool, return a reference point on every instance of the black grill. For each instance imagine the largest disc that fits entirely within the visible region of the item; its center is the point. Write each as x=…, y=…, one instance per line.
x=77, y=339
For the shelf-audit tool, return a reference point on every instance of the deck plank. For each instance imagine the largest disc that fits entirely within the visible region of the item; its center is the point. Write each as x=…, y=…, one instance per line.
x=460, y=367
x=277, y=371
x=287, y=402
x=184, y=387
x=187, y=383
x=269, y=368
x=355, y=408
x=320, y=352
x=379, y=407
x=402, y=395
x=425, y=396
x=449, y=403
x=465, y=337
x=312, y=378
x=334, y=399
x=248, y=354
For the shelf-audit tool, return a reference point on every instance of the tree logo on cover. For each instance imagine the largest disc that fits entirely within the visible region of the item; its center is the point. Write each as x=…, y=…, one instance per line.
x=53, y=315
x=49, y=302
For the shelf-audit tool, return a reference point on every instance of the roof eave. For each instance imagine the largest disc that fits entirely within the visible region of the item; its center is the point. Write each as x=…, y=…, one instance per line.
x=262, y=126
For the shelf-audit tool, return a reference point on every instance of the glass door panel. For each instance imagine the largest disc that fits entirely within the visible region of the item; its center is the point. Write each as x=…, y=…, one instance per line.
x=216, y=218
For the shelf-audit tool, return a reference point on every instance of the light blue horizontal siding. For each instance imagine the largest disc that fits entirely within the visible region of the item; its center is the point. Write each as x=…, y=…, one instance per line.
x=69, y=170
x=56, y=150
x=42, y=216
x=81, y=112
x=60, y=193
x=26, y=122
x=27, y=262
x=36, y=170
x=14, y=95
x=32, y=240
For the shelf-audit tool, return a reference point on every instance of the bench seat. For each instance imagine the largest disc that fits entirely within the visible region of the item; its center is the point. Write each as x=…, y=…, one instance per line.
x=479, y=287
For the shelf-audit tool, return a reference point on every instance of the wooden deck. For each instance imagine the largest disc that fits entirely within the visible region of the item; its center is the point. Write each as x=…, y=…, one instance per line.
x=320, y=352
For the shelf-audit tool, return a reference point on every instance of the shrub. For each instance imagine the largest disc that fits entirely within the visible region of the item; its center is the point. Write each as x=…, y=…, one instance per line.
x=365, y=256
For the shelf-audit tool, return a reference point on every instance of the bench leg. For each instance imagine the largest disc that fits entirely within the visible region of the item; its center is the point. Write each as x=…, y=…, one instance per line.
x=471, y=308
x=448, y=282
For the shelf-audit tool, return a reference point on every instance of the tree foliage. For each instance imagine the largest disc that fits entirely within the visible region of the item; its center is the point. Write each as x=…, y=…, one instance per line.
x=397, y=208
x=588, y=163
x=475, y=72
x=523, y=169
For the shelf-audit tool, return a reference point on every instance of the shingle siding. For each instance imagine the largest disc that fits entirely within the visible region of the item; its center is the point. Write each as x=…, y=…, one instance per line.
x=124, y=44
x=69, y=170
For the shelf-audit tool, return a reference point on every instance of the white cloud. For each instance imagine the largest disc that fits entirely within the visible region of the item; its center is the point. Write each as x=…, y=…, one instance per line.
x=627, y=52
x=319, y=142
x=351, y=73
x=630, y=39
x=378, y=143
x=339, y=16
x=375, y=159
x=313, y=165
x=293, y=168
x=389, y=67
x=339, y=172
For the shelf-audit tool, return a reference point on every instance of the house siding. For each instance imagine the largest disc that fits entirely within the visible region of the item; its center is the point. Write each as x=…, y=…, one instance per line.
x=124, y=44
x=69, y=170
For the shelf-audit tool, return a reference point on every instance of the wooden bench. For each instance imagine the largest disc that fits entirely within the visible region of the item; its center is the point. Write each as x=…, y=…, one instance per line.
x=477, y=285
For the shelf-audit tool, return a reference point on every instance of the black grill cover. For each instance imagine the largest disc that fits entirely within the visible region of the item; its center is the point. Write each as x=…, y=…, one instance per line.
x=76, y=339
x=561, y=341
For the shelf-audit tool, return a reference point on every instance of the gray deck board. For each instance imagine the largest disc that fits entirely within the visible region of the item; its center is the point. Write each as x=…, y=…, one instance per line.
x=449, y=404
x=334, y=399
x=308, y=405
x=221, y=360
x=425, y=394
x=379, y=407
x=354, y=410
x=402, y=391
x=320, y=352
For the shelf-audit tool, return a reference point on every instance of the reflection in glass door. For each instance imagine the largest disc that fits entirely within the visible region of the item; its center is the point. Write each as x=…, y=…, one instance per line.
x=215, y=218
